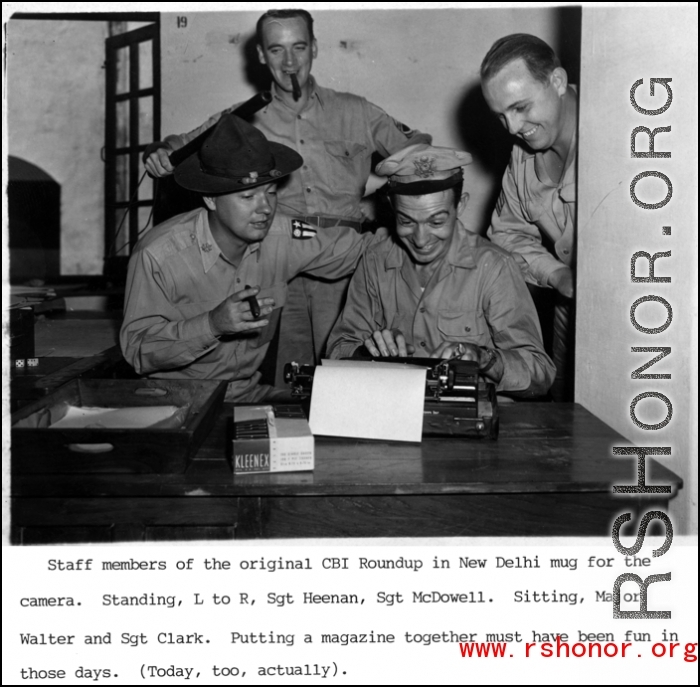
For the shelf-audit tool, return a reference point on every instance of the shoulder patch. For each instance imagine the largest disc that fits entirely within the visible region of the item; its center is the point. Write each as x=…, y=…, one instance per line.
x=303, y=230
x=403, y=128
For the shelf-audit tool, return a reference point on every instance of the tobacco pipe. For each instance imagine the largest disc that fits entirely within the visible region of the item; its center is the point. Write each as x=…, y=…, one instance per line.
x=252, y=301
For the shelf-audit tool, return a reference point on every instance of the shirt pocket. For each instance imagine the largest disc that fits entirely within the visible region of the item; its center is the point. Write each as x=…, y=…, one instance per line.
x=345, y=162
x=461, y=325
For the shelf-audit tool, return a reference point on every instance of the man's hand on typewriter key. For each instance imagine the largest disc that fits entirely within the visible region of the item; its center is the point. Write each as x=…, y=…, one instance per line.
x=388, y=342
x=448, y=349
x=233, y=315
x=490, y=363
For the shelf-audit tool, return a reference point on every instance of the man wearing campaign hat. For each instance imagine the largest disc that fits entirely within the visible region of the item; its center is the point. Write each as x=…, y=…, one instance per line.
x=187, y=312
x=337, y=133
x=435, y=290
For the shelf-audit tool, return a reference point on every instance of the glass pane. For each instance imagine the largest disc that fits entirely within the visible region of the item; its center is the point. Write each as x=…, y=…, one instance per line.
x=122, y=178
x=145, y=220
x=123, y=70
x=122, y=124
x=146, y=187
x=145, y=119
x=121, y=232
x=146, y=64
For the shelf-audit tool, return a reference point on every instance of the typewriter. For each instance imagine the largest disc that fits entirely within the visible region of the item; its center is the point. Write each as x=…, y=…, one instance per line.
x=457, y=402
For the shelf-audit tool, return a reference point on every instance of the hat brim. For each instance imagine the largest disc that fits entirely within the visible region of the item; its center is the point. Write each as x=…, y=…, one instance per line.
x=190, y=175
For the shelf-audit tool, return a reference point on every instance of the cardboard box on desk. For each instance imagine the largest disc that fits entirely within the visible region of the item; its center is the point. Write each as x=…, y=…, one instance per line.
x=267, y=439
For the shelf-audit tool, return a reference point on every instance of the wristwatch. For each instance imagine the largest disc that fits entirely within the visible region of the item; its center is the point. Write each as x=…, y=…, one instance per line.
x=493, y=357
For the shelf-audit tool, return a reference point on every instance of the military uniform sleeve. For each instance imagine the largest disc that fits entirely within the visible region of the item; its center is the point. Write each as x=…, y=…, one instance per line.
x=154, y=336
x=515, y=330
x=362, y=315
x=388, y=134
x=330, y=253
x=512, y=231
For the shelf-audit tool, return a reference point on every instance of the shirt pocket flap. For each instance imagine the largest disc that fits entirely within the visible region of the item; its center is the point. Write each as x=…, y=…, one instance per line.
x=459, y=325
x=344, y=149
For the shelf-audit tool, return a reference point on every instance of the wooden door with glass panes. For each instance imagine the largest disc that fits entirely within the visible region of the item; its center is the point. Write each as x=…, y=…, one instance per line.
x=132, y=122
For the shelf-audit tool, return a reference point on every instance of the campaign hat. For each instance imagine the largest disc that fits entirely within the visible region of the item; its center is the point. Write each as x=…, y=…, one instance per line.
x=235, y=157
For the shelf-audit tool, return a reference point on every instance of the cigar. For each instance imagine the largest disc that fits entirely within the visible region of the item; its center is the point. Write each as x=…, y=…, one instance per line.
x=296, y=89
x=252, y=301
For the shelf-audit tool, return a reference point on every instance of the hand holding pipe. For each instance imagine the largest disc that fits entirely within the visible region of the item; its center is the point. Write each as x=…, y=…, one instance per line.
x=252, y=301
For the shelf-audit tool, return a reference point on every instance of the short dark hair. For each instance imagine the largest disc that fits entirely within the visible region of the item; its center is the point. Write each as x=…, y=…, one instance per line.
x=284, y=14
x=457, y=188
x=538, y=56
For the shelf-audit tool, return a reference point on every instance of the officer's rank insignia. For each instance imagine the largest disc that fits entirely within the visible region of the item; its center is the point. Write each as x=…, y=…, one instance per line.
x=424, y=166
x=302, y=230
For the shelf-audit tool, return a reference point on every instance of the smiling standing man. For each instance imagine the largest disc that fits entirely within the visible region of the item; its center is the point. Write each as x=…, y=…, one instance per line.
x=535, y=216
x=336, y=134
x=433, y=289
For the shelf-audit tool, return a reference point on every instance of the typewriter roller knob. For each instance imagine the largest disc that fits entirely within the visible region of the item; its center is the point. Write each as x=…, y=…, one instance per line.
x=290, y=371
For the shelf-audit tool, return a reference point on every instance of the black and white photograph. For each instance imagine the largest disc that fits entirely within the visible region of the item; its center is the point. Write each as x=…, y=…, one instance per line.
x=310, y=287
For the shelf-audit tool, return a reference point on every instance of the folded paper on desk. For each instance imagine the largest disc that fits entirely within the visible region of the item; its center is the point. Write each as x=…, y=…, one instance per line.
x=114, y=418
x=368, y=400
x=267, y=439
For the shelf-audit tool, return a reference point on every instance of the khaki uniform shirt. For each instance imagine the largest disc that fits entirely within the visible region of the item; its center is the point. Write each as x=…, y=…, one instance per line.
x=533, y=211
x=336, y=134
x=177, y=274
x=477, y=295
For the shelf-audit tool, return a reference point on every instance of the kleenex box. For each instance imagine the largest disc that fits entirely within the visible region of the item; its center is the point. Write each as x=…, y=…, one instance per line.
x=267, y=439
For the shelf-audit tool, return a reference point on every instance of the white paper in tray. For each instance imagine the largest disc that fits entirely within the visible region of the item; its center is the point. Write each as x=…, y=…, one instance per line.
x=366, y=400
x=114, y=418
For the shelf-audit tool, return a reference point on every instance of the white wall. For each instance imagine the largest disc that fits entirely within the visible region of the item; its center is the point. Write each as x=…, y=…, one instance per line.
x=55, y=120
x=421, y=66
x=627, y=44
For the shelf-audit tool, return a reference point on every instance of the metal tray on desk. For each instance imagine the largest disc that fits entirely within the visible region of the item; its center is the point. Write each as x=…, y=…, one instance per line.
x=38, y=448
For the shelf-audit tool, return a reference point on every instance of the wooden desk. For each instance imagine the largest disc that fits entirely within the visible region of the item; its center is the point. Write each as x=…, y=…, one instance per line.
x=550, y=473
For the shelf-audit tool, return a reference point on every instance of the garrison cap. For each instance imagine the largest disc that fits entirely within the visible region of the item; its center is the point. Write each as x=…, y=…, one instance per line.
x=420, y=169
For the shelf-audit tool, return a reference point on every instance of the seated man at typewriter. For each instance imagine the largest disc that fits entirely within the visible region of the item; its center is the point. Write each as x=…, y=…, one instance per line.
x=204, y=289
x=432, y=289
